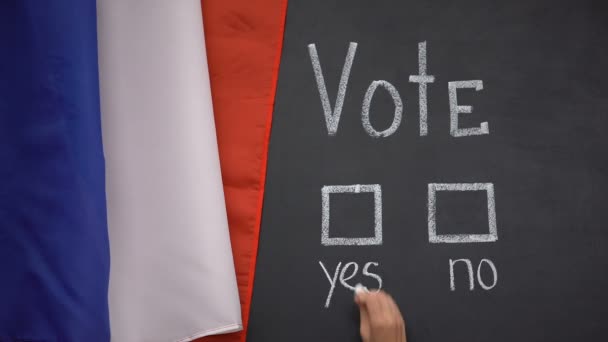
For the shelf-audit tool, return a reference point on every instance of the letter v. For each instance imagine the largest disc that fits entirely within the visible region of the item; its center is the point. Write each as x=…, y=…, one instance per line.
x=332, y=117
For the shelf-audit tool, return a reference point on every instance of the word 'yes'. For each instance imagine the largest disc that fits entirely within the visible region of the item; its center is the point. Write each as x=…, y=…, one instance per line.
x=332, y=115
x=344, y=276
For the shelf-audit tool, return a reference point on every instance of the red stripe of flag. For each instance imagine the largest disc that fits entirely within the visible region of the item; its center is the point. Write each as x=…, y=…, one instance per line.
x=244, y=40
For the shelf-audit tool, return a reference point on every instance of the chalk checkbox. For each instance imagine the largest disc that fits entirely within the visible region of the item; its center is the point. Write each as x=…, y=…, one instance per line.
x=492, y=234
x=326, y=192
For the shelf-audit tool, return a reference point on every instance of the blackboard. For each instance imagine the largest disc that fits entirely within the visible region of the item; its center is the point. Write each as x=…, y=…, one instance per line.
x=523, y=200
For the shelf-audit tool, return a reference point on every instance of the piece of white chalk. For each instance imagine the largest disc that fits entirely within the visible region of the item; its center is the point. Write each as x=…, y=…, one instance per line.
x=360, y=289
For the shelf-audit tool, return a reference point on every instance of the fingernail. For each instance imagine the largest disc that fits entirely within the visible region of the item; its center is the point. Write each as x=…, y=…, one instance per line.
x=360, y=289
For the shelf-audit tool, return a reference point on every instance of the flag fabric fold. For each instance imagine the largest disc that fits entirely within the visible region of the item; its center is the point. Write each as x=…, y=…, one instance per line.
x=54, y=255
x=244, y=42
x=172, y=275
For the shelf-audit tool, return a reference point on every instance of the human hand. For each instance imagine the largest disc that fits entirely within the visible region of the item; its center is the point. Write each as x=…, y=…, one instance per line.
x=381, y=320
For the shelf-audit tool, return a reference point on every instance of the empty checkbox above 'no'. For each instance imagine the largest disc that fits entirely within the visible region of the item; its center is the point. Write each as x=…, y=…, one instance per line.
x=326, y=193
x=492, y=234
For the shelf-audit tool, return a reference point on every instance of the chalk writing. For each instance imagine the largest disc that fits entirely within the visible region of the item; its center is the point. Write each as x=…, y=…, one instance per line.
x=332, y=281
x=332, y=117
x=469, y=269
x=326, y=191
x=344, y=279
x=494, y=274
x=461, y=238
x=422, y=79
x=470, y=272
x=366, y=272
x=456, y=109
x=342, y=275
x=345, y=275
x=367, y=125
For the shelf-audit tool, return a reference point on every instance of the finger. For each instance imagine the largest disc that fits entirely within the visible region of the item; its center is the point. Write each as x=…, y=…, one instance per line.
x=392, y=307
x=403, y=331
x=392, y=317
x=374, y=304
x=360, y=298
x=364, y=314
x=384, y=301
x=364, y=329
x=397, y=318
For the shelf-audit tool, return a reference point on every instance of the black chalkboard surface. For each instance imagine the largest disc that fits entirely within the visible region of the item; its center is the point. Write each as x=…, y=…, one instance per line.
x=488, y=221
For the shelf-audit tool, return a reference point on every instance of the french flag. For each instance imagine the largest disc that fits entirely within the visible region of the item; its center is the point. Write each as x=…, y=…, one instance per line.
x=120, y=217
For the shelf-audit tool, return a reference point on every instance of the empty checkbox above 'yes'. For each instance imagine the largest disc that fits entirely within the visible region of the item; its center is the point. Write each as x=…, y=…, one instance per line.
x=345, y=191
